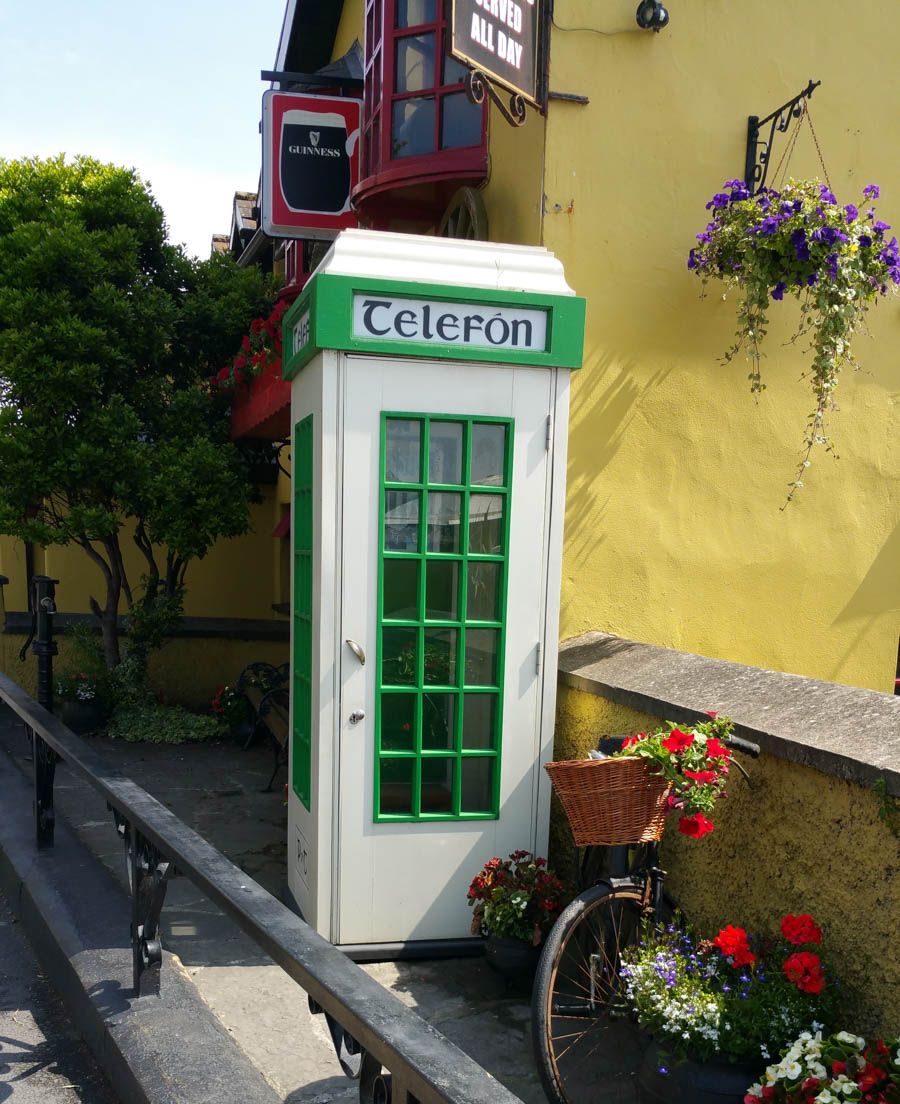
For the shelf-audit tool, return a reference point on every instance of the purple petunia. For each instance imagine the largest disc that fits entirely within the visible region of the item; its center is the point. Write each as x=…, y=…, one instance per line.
x=801, y=248
x=826, y=193
x=880, y=226
x=812, y=278
x=852, y=211
x=871, y=191
x=865, y=240
x=718, y=201
x=778, y=290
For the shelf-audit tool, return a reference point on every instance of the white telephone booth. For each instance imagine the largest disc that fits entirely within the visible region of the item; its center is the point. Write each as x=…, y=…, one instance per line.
x=429, y=408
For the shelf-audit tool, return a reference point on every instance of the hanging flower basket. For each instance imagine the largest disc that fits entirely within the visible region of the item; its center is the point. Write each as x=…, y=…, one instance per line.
x=835, y=260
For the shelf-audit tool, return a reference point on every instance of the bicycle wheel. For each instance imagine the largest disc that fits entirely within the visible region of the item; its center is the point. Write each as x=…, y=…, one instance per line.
x=584, y=1044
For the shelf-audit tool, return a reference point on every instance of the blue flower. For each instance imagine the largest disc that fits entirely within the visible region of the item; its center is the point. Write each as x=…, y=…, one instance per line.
x=778, y=290
x=801, y=249
x=812, y=278
x=865, y=240
x=852, y=212
x=718, y=200
x=826, y=194
x=880, y=227
x=768, y=226
x=832, y=262
x=871, y=191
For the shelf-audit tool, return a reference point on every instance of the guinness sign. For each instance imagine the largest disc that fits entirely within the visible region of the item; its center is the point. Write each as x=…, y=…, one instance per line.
x=310, y=164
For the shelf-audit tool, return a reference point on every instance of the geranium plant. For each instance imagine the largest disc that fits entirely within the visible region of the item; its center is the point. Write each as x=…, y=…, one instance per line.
x=738, y=996
x=835, y=259
x=842, y=1067
x=695, y=760
x=76, y=686
x=230, y=706
x=260, y=350
x=516, y=897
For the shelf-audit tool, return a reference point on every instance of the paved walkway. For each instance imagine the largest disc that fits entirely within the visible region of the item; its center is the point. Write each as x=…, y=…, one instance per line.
x=42, y=1058
x=216, y=789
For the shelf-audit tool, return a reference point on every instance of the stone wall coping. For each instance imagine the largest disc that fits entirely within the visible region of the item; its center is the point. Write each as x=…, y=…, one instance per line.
x=839, y=730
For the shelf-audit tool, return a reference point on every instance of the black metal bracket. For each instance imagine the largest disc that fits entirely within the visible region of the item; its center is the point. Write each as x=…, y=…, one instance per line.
x=478, y=86
x=148, y=879
x=756, y=165
x=320, y=80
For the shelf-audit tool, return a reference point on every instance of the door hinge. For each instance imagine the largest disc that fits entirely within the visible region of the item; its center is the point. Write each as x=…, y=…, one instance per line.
x=549, y=437
x=537, y=658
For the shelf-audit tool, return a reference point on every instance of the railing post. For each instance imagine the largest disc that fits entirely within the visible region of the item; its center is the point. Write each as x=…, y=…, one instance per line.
x=43, y=605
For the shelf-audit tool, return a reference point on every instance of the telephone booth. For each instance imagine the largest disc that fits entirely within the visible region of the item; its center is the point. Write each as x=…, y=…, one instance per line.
x=429, y=406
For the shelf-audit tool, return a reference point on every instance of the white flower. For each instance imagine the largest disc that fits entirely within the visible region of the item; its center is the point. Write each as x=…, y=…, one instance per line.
x=793, y=1070
x=816, y=1069
x=853, y=1040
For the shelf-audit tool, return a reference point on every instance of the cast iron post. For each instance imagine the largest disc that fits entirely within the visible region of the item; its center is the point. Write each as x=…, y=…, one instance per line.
x=43, y=607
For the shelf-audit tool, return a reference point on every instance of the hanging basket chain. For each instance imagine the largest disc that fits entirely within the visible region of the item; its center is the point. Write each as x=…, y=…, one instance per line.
x=788, y=152
x=812, y=131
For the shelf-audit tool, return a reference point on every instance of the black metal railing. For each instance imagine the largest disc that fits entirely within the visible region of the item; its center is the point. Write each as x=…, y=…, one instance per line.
x=396, y=1056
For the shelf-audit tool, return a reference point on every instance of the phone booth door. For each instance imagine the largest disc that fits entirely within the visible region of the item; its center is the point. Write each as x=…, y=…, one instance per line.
x=445, y=499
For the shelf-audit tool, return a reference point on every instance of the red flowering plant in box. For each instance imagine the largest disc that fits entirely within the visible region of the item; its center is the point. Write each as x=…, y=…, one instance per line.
x=737, y=996
x=842, y=1067
x=516, y=897
x=260, y=350
x=695, y=760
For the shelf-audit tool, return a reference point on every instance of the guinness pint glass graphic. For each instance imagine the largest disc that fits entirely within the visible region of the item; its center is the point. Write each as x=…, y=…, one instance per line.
x=315, y=161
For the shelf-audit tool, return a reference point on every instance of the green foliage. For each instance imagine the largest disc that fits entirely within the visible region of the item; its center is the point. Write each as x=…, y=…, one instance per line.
x=154, y=723
x=106, y=332
x=888, y=807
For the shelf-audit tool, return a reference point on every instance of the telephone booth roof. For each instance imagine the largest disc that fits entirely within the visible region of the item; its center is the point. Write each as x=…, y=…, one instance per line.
x=436, y=297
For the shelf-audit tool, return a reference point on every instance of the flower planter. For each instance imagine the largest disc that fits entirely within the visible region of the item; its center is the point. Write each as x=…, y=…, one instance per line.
x=82, y=717
x=691, y=1082
x=514, y=959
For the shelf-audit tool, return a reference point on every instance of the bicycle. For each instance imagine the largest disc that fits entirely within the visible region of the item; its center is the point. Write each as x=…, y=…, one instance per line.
x=578, y=1002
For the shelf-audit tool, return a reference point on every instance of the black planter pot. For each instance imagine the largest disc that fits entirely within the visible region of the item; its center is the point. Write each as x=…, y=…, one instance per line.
x=514, y=959
x=690, y=1082
x=82, y=717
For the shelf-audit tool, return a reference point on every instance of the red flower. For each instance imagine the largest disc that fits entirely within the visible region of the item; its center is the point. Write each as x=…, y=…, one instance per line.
x=712, y=713
x=256, y=325
x=630, y=741
x=805, y=971
x=701, y=776
x=678, y=740
x=240, y=360
x=732, y=942
x=717, y=749
x=838, y=1068
x=695, y=826
x=800, y=929
x=245, y=343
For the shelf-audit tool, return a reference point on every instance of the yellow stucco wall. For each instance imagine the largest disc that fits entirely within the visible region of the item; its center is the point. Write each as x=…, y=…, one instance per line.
x=673, y=530
x=795, y=840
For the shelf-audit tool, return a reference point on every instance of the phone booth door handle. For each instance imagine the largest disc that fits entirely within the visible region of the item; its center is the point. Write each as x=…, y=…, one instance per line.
x=357, y=651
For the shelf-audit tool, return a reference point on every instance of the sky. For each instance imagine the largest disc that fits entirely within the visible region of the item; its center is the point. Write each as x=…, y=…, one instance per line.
x=171, y=89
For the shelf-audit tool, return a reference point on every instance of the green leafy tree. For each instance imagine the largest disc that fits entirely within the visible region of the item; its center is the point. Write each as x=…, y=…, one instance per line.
x=108, y=334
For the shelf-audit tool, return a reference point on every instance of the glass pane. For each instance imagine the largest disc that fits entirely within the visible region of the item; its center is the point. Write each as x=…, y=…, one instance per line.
x=454, y=71
x=444, y=521
x=399, y=655
x=396, y=789
x=460, y=121
x=442, y=590
x=481, y=656
x=398, y=722
x=437, y=785
x=415, y=63
x=438, y=721
x=412, y=133
x=486, y=524
x=401, y=450
x=401, y=521
x=440, y=656
x=412, y=13
x=483, y=592
x=489, y=454
x=479, y=721
x=401, y=589
x=476, y=784
x=445, y=452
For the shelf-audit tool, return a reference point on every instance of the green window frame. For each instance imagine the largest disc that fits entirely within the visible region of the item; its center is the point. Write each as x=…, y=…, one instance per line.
x=301, y=750
x=444, y=514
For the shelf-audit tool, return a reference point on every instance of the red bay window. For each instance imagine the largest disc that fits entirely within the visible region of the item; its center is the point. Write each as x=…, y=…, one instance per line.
x=422, y=137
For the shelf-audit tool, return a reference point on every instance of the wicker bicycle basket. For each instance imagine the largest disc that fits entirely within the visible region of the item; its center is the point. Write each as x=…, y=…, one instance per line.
x=611, y=801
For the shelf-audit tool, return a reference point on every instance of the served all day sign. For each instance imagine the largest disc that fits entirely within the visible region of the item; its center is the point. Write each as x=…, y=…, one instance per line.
x=310, y=164
x=499, y=37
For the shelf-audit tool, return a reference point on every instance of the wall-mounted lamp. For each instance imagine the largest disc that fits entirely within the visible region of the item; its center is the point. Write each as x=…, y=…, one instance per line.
x=651, y=15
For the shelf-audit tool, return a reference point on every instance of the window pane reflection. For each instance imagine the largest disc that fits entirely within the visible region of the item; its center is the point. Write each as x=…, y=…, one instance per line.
x=398, y=722
x=396, y=789
x=412, y=133
x=401, y=521
x=460, y=121
x=401, y=450
x=488, y=454
x=437, y=785
x=415, y=63
x=444, y=521
x=479, y=722
x=438, y=721
x=445, y=441
x=486, y=524
x=476, y=784
x=412, y=13
x=442, y=590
